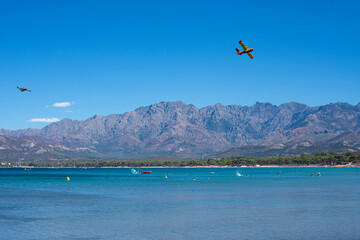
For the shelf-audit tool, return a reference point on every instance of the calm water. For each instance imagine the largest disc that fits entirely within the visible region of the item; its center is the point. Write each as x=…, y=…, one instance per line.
x=114, y=204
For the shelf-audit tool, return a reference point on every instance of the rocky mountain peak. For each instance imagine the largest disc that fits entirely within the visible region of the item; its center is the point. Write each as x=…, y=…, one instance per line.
x=165, y=127
x=293, y=106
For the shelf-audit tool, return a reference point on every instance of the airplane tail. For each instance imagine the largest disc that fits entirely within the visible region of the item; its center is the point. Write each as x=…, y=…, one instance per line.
x=238, y=51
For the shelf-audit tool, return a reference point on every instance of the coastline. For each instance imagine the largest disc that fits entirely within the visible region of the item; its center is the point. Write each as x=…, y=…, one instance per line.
x=197, y=167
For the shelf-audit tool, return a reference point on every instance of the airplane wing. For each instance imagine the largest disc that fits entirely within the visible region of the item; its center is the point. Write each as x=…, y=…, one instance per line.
x=251, y=56
x=242, y=45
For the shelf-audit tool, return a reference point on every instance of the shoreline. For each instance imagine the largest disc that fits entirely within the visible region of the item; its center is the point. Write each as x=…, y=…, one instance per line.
x=199, y=167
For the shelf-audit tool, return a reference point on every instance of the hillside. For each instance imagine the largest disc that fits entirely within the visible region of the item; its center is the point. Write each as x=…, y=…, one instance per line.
x=183, y=130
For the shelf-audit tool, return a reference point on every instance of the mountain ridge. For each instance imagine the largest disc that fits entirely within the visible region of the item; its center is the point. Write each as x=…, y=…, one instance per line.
x=183, y=130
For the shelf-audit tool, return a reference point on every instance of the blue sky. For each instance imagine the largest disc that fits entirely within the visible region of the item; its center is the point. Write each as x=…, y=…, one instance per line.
x=104, y=57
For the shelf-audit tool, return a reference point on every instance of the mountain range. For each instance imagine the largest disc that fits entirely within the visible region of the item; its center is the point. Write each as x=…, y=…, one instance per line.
x=176, y=129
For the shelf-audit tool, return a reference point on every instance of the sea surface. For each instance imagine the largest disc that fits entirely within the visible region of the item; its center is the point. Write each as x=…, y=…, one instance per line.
x=191, y=203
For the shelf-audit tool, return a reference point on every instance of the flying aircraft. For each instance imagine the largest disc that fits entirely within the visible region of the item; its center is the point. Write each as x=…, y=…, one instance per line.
x=23, y=89
x=246, y=50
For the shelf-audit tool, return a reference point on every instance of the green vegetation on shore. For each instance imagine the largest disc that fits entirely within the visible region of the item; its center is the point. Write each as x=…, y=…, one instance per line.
x=318, y=159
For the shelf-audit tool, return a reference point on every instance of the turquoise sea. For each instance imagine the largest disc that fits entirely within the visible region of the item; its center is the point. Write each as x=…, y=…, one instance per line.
x=256, y=203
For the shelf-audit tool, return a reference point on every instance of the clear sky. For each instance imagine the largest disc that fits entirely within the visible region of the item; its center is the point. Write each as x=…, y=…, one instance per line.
x=104, y=57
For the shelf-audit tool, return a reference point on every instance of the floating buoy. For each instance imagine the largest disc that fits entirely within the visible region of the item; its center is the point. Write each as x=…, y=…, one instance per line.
x=68, y=178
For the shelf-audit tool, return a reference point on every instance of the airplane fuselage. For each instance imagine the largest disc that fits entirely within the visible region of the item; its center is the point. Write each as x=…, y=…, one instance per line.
x=23, y=89
x=246, y=51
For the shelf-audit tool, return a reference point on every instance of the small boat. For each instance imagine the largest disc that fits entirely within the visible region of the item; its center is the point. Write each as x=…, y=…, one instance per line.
x=146, y=172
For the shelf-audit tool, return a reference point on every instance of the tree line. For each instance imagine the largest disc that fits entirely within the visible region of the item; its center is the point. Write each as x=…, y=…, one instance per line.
x=303, y=159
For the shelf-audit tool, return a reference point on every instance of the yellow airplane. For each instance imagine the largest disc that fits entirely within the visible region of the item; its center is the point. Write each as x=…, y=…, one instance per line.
x=23, y=89
x=246, y=50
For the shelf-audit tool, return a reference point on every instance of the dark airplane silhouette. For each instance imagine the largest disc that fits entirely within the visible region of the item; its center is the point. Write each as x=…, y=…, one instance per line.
x=23, y=89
